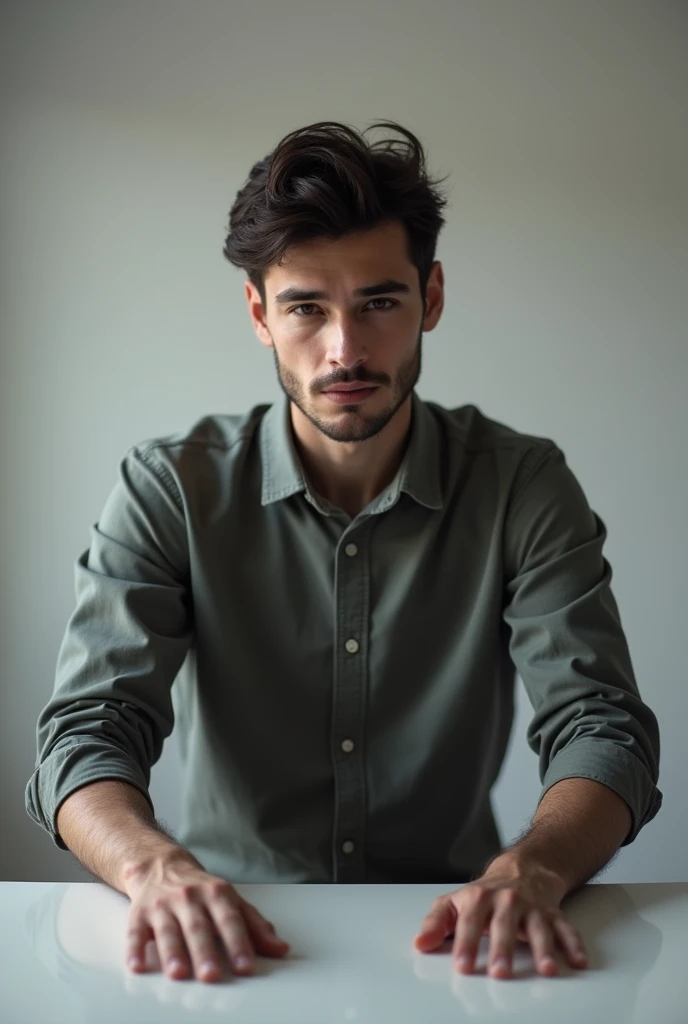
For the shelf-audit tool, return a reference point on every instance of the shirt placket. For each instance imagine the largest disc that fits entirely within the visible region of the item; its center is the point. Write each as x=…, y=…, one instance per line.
x=350, y=687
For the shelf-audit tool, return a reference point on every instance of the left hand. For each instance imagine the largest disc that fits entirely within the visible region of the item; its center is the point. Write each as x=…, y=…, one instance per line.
x=509, y=903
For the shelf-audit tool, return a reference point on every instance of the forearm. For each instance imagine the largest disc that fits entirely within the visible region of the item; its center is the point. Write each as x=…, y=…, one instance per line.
x=578, y=827
x=109, y=826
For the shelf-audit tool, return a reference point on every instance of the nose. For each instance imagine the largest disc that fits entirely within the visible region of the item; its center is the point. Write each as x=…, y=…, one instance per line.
x=345, y=348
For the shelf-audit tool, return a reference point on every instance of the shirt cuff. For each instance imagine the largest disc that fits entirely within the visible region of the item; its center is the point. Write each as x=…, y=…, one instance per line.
x=606, y=762
x=66, y=769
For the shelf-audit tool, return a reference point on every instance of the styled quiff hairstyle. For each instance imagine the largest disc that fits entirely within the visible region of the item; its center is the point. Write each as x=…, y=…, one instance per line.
x=326, y=181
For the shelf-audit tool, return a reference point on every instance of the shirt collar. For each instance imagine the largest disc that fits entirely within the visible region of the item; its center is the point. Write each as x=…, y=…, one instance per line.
x=282, y=473
x=418, y=475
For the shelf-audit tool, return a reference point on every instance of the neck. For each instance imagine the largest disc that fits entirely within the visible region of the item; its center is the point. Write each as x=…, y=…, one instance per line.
x=351, y=474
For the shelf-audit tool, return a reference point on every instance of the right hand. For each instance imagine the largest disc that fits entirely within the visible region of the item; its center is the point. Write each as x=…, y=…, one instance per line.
x=197, y=922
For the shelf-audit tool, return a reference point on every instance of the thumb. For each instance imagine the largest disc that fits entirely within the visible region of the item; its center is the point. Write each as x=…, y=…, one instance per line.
x=436, y=926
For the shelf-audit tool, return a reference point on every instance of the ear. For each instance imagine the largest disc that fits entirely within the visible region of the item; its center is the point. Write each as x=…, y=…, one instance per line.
x=257, y=314
x=434, y=296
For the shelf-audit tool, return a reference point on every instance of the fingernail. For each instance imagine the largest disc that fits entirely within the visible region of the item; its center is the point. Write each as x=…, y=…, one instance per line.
x=207, y=966
x=242, y=962
x=547, y=961
x=134, y=961
x=500, y=964
x=175, y=964
x=464, y=961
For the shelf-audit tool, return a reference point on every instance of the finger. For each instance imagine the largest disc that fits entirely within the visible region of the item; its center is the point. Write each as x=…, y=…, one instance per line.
x=174, y=958
x=473, y=912
x=541, y=938
x=139, y=932
x=508, y=913
x=200, y=933
x=262, y=933
x=233, y=931
x=436, y=926
x=571, y=941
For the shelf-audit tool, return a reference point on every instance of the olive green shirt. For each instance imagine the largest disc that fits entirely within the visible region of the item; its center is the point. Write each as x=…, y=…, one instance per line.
x=344, y=688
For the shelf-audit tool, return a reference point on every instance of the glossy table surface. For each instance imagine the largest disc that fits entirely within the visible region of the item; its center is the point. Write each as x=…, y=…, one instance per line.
x=351, y=959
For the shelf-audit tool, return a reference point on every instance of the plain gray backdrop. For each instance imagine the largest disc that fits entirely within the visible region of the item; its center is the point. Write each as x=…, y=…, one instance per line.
x=127, y=129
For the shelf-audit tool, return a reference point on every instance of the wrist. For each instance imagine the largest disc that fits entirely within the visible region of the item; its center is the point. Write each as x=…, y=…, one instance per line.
x=171, y=864
x=521, y=864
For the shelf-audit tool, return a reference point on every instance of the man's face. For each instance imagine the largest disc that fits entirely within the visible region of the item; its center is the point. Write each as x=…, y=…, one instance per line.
x=369, y=342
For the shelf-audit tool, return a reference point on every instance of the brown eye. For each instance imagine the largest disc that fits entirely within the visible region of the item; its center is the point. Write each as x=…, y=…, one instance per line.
x=307, y=305
x=310, y=305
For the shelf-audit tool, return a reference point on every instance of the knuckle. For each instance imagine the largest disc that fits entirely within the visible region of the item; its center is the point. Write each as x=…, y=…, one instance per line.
x=510, y=897
x=219, y=888
x=159, y=903
x=228, y=917
x=197, y=926
x=186, y=892
x=481, y=894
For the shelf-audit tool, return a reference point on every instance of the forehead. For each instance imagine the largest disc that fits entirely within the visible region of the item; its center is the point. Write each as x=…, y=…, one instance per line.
x=380, y=252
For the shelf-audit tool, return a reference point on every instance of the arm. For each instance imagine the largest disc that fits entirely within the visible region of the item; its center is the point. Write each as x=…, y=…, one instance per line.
x=569, y=647
x=109, y=826
x=105, y=724
x=111, y=707
x=578, y=827
x=598, y=743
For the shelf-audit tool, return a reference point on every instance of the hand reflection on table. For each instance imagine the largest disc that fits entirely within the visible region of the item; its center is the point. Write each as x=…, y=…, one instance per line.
x=78, y=933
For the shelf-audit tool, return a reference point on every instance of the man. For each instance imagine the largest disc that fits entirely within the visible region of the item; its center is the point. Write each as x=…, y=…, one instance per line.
x=347, y=581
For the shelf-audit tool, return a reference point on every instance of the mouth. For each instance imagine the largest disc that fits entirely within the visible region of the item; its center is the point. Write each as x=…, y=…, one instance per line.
x=350, y=394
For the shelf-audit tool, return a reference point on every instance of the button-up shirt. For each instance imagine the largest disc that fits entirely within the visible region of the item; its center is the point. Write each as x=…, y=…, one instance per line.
x=343, y=688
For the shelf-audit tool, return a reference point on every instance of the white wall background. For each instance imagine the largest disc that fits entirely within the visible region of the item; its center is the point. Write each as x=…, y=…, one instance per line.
x=127, y=128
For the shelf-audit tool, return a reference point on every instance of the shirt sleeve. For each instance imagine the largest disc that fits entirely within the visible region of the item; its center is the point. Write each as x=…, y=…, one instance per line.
x=568, y=644
x=111, y=706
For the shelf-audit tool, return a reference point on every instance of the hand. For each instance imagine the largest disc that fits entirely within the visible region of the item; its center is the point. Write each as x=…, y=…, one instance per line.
x=189, y=914
x=507, y=902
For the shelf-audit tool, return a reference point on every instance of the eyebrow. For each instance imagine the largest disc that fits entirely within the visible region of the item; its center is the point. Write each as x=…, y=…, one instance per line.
x=382, y=287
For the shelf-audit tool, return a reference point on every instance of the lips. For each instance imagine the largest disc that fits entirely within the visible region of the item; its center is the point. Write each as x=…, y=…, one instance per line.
x=350, y=387
x=346, y=394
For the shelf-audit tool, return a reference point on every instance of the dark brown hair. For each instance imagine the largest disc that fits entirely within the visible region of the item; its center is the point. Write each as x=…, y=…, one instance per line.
x=326, y=180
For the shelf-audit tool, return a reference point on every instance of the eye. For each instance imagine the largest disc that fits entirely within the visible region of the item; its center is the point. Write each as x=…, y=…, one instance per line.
x=309, y=305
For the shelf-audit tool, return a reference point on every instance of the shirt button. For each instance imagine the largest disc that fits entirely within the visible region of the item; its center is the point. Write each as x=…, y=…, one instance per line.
x=347, y=746
x=351, y=646
x=351, y=550
x=348, y=846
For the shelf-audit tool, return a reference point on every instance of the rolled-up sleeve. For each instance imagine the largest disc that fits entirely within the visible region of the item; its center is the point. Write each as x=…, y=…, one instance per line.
x=111, y=706
x=568, y=644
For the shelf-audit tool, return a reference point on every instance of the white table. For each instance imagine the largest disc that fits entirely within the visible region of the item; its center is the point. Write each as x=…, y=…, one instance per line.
x=351, y=959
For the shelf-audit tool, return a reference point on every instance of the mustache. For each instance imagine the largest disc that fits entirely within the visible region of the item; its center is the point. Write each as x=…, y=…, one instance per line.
x=342, y=377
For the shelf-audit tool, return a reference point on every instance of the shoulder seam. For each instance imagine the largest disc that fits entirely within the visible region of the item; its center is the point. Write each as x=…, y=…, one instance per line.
x=190, y=441
x=170, y=442
x=456, y=432
x=536, y=462
x=161, y=472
